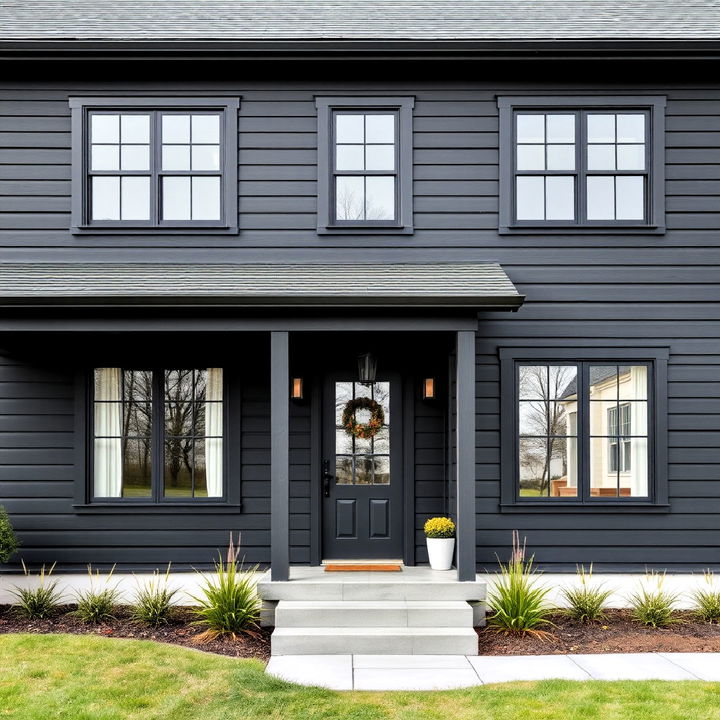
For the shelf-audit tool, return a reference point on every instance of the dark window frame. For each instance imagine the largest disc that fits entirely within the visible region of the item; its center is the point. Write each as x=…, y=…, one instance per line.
x=652, y=106
x=402, y=107
x=227, y=107
x=656, y=358
x=84, y=497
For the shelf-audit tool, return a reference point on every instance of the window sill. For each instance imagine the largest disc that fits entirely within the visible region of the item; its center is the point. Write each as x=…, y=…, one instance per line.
x=582, y=229
x=365, y=230
x=121, y=508
x=154, y=230
x=590, y=507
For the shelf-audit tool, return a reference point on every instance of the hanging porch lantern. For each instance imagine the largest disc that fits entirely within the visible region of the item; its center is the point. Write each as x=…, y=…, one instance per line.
x=367, y=368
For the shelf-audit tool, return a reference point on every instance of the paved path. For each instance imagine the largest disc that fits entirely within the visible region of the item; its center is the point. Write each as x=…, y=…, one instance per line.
x=444, y=672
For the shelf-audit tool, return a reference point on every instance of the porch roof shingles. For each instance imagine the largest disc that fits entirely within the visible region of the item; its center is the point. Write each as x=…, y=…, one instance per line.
x=329, y=20
x=266, y=284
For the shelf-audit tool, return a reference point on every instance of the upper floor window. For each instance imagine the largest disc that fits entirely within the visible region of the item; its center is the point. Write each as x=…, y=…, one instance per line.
x=161, y=165
x=568, y=165
x=365, y=171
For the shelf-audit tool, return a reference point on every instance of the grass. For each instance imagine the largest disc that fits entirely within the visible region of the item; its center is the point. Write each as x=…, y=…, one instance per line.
x=69, y=677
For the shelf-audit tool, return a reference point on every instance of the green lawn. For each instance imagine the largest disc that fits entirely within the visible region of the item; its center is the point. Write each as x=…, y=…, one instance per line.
x=51, y=677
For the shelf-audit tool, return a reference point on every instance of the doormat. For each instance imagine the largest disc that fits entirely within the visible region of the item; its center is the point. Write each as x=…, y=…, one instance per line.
x=363, y=568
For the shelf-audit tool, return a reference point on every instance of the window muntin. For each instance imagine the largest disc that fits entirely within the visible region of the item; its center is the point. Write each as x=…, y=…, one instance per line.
x=581, y=167
x=158, y=434
x=365, y=161
x=591, y=444
x=155, y=167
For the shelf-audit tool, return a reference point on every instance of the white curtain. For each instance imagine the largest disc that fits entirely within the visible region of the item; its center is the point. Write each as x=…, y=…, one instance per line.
x=214, y=432
x=639, y=419
x=108, y=431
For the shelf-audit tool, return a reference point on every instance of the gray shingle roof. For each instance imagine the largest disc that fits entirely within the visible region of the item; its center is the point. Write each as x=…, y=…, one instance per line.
x=422, y=20
x=362, y=285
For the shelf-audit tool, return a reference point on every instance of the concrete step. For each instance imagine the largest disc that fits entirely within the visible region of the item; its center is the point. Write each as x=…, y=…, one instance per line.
x=374, y=613
x=374, y=641
x=370, y=588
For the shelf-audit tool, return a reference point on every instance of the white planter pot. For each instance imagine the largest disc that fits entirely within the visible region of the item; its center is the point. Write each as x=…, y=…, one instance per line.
x=440, y=552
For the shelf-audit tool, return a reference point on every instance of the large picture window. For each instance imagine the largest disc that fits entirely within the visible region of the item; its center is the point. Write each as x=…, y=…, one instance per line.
x=138, y=165
x=158, y=434
x=582, y=162
x=582, y=431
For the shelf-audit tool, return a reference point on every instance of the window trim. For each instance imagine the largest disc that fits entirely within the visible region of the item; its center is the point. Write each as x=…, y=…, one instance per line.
x=402, y=106
x=655, y=357
x=80, y=220
x=654, y=105
x=84, y=497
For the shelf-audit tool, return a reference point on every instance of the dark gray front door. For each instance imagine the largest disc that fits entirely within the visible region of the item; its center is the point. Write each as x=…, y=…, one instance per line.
x=362, y=477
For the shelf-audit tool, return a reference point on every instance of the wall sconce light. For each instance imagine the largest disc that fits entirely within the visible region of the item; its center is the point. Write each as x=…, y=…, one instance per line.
x=296, y=388
x=429, y=388
x=367, y=368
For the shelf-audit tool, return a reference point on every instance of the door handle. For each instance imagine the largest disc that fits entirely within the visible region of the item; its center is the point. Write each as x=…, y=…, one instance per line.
x=326, y=478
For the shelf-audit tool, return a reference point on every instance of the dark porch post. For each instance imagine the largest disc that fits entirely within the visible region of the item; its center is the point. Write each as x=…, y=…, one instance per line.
x=279, y=456
x=465, y=440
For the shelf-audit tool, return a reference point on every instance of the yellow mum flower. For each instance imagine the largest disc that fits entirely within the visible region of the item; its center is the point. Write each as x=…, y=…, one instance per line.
x=440, y=527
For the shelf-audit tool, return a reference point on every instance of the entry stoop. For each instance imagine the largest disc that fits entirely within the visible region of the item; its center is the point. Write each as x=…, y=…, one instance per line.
x=416, y=612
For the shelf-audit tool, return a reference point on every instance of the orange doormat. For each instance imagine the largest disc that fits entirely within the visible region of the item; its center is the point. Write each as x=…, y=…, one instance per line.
x=363, y=568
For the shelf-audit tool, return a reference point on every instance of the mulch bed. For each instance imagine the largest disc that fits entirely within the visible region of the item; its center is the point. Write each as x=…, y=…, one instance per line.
x=616, y=634
x=178, y=631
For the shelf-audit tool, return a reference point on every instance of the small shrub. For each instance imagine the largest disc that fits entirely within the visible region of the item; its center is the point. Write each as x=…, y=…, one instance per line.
x=8, y=540
x=517, y=603
x=97, y=605
x=586, y=602
x=229, y=604
x=154, y=600
x=39, y=602
x=707, y=600
x=440, y=527
x=653, y=606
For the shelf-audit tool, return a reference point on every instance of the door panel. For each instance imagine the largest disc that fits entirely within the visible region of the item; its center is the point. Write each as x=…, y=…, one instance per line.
x=362, y=483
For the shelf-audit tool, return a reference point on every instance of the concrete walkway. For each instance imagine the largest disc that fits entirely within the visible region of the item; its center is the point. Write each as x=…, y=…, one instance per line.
x=444, y=672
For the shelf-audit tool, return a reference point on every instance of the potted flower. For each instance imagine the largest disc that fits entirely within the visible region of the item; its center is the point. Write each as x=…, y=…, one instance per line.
x=440, y=536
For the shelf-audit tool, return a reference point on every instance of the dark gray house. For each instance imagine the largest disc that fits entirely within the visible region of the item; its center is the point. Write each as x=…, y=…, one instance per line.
x=316, y=271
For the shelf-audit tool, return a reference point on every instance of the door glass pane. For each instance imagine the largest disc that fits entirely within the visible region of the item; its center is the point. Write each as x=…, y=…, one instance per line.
x=362, y=442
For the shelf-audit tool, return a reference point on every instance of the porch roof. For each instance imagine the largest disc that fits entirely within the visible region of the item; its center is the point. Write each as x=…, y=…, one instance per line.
x=448, y=285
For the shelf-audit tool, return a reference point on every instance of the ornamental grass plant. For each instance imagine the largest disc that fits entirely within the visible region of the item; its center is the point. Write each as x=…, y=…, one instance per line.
x=651, y=604
x=439, y=527
x=706, y=600
x=154, y=599
x=517, y=602
x=586, y=601
x=39, y=602
x=229, y=604
x=97, y=605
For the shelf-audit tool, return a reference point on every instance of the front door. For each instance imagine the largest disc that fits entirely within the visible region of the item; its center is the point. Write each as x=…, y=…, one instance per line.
x=362, y=477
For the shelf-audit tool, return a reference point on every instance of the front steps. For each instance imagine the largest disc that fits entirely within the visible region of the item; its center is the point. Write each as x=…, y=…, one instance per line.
x=416, y=612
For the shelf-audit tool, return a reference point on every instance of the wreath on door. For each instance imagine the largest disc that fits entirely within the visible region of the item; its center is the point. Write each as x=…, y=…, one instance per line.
x=363, y=430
